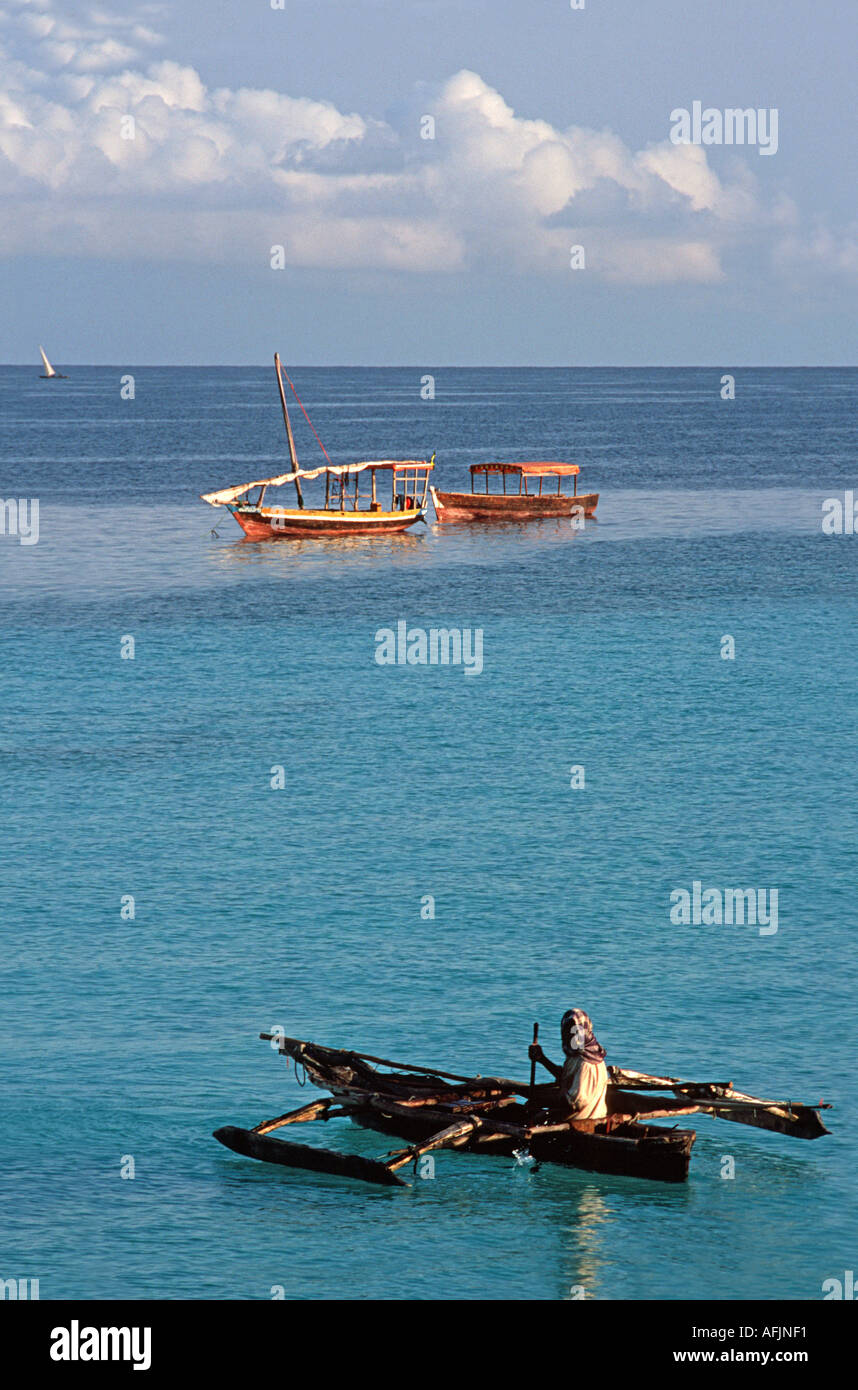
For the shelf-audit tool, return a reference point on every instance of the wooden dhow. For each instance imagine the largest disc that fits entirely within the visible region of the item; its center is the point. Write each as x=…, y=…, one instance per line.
x=353, y=505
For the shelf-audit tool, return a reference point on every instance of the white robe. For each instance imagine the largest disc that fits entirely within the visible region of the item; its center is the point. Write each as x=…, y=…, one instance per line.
x=582, y=1086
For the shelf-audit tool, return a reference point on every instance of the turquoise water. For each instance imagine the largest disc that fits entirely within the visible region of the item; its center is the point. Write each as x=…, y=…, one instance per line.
x=301, y=907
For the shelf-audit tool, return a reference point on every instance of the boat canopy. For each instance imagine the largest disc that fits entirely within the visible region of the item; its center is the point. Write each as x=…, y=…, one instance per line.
x=530, y=470
x=344, y=470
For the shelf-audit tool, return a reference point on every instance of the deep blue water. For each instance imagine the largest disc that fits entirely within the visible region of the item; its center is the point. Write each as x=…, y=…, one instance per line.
x=301, y=907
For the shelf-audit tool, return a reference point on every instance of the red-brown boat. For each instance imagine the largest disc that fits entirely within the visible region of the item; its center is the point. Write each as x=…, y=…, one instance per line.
x=521, y=504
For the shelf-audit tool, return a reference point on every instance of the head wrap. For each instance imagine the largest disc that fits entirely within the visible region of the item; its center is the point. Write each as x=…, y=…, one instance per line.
x=592, y=1051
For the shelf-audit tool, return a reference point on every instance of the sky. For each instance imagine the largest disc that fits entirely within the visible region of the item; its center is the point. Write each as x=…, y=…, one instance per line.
x=382, y=182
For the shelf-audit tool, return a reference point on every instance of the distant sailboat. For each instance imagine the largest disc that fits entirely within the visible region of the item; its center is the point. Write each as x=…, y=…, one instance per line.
x=49, y=374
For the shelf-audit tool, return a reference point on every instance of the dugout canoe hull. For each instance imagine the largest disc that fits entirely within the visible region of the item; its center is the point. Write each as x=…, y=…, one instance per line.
x=631, y=1150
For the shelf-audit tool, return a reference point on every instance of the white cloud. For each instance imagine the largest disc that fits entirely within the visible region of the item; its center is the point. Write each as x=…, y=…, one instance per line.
x=226, y=173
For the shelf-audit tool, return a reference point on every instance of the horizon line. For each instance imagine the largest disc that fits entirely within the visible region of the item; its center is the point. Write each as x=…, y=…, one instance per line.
x=475, y=366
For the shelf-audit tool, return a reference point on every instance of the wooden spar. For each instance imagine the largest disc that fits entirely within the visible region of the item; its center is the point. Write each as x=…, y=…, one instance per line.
x=532, y=1094
x=455, y=1106
x=446, y=1137
x=639, y=1117
x=718, y=1098
x=293, y=457
x=480, y=1122
x=456, y=1134
x=711, y=1092
x=502, y=1083
x=642, y=1081
x=313, y=1111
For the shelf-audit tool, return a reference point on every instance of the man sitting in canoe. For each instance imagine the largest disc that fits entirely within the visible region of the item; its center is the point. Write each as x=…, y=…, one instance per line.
x=583, y=1077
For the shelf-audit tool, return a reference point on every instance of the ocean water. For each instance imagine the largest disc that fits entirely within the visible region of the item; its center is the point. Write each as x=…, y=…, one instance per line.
x=304, y=907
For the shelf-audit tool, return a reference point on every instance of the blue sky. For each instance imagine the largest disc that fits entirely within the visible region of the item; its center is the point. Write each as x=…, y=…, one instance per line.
x=151, y=155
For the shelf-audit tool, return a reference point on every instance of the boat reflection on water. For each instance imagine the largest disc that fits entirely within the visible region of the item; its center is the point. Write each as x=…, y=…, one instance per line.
x=585, y=1239
x=368, y=552
x=545, y=528
x=585, y=1221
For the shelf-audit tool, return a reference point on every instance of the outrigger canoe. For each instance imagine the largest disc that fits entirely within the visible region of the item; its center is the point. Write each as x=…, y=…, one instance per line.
x=493, y=1115
x=516, y=504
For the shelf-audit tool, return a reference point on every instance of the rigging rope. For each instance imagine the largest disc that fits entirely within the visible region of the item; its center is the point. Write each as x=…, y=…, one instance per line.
x=306, y=416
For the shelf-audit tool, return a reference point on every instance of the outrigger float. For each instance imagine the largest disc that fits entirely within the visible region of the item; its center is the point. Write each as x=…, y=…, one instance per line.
x=519, y=505
x=492, y=1115
x=342, y=513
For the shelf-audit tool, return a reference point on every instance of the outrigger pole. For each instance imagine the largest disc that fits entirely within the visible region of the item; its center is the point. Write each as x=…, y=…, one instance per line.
x=293, y=457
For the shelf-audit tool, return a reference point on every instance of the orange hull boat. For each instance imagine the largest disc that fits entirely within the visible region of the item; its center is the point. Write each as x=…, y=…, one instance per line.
x=280, y=523
x=348, y=510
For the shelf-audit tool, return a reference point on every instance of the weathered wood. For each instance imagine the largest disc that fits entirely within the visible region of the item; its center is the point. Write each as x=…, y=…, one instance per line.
x=642, y=1081
x=718, y=1098
x=453, y=1104
x=522, y=1132
x=313, y=1111
x=500, y=1082
x=280, y=1151
x=444, y=1139
x=436, y=1110
x=801, y=1121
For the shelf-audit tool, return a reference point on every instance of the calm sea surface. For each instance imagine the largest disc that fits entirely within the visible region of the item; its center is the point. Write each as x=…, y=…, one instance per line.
x=301, y=907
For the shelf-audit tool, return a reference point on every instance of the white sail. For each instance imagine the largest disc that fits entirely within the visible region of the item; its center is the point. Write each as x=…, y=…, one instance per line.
x=49, y=371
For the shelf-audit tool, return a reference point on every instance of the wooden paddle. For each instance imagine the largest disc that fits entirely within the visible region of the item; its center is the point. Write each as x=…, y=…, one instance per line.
x=531, y=1099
